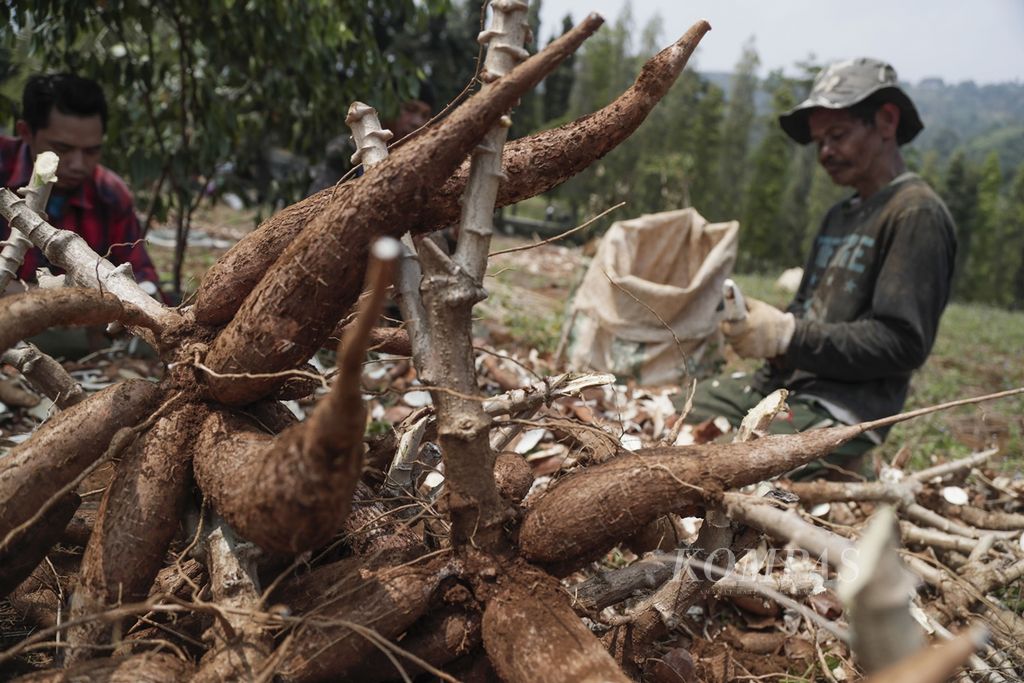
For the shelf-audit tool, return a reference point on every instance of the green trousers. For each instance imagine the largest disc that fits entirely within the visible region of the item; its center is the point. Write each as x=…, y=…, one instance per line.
x=732, y=397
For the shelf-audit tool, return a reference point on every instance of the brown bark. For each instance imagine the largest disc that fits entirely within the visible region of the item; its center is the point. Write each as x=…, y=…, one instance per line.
x=532, y=165
x=985, y=519
x=13, y=395
x=145, y=668
x=178, y=579
x=439, y=638
x=137, y=519
x=392, y=340
x=25, y=315
x=46, y=375
x=513, y=476
x=79, y=529
x=532, y=635
x=387, y=600
x=34, y=472
x=374, y=530
x=28, y=548
x=590, y=511
x=289, y=315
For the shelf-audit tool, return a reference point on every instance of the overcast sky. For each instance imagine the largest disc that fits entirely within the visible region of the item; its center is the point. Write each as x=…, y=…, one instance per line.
x=980, y=40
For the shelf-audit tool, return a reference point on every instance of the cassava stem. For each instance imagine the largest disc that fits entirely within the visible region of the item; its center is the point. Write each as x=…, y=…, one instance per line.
x=37, y=193
x=84, y=267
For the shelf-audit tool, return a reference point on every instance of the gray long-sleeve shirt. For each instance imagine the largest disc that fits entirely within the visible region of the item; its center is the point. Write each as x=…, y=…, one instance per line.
x=868, y=307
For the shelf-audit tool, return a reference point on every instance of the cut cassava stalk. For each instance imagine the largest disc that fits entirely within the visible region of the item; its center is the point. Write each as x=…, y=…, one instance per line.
x=27, y=314
x=531, y=635
x=532, y=165
x=349, y=611
x=652, y=619
x=877, y=596
x=137, y=519
x=814, y=492
x=371, y=141
x=588, y=512
x=443, y=347
x=45, y=374
x=291, y=493
x=953, y=466
x=655, y=616
x=240, y=648
x=151, y=667
x=287, y=317
x=40, y=472
x=608, y=587
x=84, y=267
x=13, y=395
x=788, y=526
x=36, y=193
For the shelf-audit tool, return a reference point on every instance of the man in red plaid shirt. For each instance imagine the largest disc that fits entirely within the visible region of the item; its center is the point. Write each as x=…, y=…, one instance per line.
x=67, y=115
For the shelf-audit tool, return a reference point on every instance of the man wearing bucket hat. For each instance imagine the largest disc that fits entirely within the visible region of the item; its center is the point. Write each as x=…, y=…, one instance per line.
x=876, y=281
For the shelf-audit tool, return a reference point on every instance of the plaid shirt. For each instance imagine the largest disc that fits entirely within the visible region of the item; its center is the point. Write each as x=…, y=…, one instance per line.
x=101, y=211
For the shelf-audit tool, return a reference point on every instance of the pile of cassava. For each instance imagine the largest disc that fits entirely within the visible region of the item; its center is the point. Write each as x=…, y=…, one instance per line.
x=234, y=542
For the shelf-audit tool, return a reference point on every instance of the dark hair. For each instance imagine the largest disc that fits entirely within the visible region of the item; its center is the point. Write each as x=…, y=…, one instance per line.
x=866, y=109
x=70, y=94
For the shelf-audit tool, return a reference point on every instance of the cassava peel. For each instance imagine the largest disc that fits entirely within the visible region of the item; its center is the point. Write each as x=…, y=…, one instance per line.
x=532, y=635
x=137, y=519
x=388, y=600
x=33, y=473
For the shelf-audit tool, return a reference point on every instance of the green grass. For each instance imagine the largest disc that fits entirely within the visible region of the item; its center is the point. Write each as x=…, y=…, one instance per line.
x=977, y=351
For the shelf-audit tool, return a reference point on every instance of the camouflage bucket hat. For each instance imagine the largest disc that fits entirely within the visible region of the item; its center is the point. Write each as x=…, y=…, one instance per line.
x=844, y=84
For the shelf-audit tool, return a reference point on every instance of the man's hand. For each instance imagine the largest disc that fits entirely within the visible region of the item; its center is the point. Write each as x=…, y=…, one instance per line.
x=764, y=333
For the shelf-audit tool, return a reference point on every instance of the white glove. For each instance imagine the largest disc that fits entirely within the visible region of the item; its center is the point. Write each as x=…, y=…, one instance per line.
x=764, y=333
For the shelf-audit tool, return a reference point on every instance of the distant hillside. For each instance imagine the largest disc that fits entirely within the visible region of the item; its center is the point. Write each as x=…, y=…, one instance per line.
x=979, y=118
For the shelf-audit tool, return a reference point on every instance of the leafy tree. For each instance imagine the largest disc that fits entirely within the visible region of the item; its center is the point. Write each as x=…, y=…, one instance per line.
x=529, y=114
x=960, y=192
x=736, y=130
x=762, y=225
x=1013, y=221
x=195, y=86
x=985, y=274
x=558, y=86
x=605, y=68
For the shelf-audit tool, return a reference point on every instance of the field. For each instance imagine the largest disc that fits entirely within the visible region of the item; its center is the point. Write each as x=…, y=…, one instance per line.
x=977, y=350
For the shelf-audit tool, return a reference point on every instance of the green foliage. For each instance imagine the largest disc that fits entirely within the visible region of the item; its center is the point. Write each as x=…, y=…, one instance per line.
x=194, y=85
x=762, y=221
x=1012, y=221
x=557, y=87
x=984, y=274
x=736, y=132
